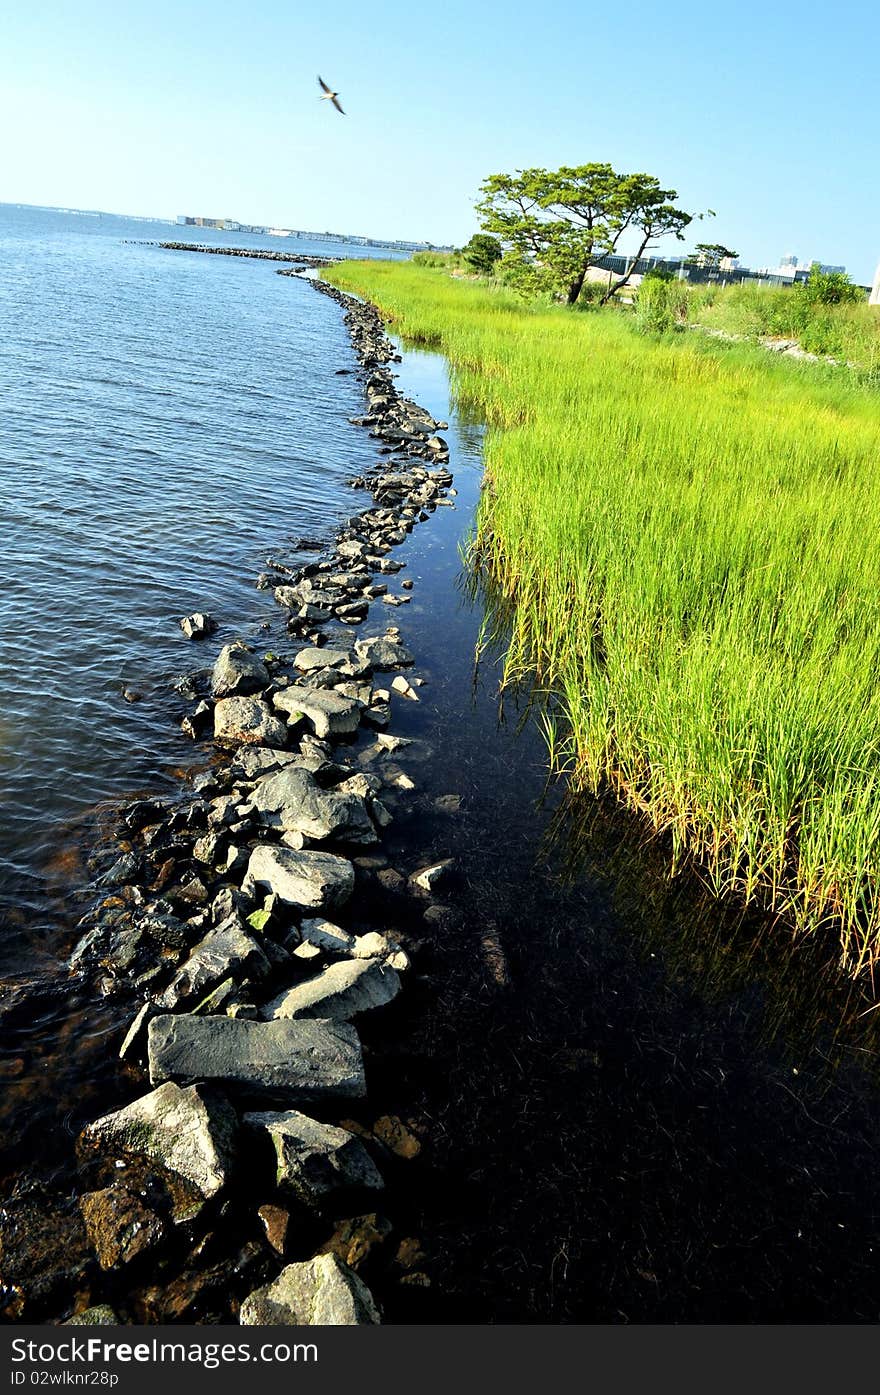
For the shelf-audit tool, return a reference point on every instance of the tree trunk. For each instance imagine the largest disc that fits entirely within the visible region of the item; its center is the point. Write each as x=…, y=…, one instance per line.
x=575, y=287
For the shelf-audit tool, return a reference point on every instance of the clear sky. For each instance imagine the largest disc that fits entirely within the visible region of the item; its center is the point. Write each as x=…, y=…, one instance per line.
x=766, y=112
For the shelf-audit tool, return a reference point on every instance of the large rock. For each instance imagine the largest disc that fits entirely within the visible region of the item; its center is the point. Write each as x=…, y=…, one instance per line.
x=292, y=801
x=339, y=991
x=314, y=658
x=322, y=1292
x=188, y=1132
x=311, y=880
x=288, y=1062
x=225, y=952
x=383, y=654
x=119, y=1226
x=313, y=1159
x=328, y=712
x=238, y=671
x=247, y=721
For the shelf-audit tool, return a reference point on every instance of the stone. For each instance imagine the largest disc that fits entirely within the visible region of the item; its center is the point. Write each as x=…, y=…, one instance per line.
x=321, y=1292
x=356, y=1236
x=119, y=1226
x=136, y=1028
x=400, y=685
x=322, y=934
x=340, y=991
x=260, y=760
x=312, y=658
x=399, y=1139
x=434, y=875
x=310, y=880
x=238, y=672
x=189, y=1132
x=198, y=625
x=329, y=713
x=312, y=1159
x=227, y=951
x=276, y=1223
x=101, y=1315
x=383, y=654
x=289, y=1062
x=448, y=804
x=243, y=721
x=293, y=802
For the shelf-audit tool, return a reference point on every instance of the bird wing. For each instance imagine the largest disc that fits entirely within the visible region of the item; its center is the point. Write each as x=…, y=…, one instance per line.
x=337, y=106
x=322, y=84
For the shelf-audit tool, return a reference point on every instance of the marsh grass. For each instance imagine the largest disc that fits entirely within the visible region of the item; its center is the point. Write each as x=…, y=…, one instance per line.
x=847, y=332
x=687, y=532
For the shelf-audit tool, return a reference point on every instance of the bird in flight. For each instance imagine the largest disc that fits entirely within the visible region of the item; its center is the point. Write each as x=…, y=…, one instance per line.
x=329, y=96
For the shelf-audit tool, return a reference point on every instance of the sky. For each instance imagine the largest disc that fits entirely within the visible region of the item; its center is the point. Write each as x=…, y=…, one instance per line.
x=766, y=113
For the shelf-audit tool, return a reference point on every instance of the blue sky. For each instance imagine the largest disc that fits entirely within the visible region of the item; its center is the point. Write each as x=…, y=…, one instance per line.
x=762, y=112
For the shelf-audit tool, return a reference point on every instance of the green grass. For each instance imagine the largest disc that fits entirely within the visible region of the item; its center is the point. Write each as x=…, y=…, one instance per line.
x=847, y=332
x=685, y=533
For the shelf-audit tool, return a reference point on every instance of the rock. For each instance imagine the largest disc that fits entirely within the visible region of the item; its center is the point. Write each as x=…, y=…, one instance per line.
x=225, y=952
x=313, y=1159
x=329, y=713
x=434, y=875
x=292, y=801
x=383, y=653
x=448, y=804
x=400, y=685
x=338, y=992
x=238, y=672
x=322, y=1292
x=260, y=760
x=311, y=880
x=101, y=1315
x=242, y=721
x=276, y=1223
x=325, y=936
x=135, y=1029
x=187, y=1132
x=119, y=1225
x=355, y=1237
x=309, y=659
x=292, y=1062
x=399, y=1139
x=198, y=625
x=44, y=1255
x=390, y=879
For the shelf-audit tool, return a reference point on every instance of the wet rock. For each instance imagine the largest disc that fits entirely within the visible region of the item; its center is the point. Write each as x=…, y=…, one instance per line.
x=227, y=951
x=240, y=721
x=292, y=1062
x=397, y=1137
x=310, y=880
x=136, y=1030
x=238, y=672
x=198, y=625
x=448, y=804
x=322, y=1292
x=44, y=1255
x=292, y=802
x=433, y=876
x=312, y=1159
x=276, y=1223
x=354, y=1238
x=383, y=654
x=338, y=992
x=314, y=658
x=329, y=713
x=400, y=685
x=187, y=1132
x=119, y=1226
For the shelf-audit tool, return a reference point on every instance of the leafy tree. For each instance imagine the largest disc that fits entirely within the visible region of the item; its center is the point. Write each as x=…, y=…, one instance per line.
x=482, y=252
x=712, y=254
x=567, y=219
x=831, y=288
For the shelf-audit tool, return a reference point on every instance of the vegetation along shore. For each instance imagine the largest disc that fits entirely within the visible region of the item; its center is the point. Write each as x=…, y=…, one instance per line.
x=682, y=531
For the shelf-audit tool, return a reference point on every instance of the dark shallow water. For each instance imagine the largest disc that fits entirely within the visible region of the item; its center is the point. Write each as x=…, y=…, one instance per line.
x=634, y=1106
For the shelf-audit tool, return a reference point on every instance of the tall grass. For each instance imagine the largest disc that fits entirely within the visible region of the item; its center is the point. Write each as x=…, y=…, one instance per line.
x=686, y=532
x=847, y=332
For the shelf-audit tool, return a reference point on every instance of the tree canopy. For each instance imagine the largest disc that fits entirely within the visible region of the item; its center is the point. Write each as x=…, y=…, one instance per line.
x=482, y=252
x=565, y=220
x=712, y=254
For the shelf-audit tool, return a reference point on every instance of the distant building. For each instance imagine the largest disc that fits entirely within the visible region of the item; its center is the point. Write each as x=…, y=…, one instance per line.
x=874, y=298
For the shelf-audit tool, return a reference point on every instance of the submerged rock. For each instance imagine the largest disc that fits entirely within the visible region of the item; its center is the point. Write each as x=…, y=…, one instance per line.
x=313, y=1159
x=188, y=1132
x=322, y=1292
x=293, y=1062
x=119, y=1226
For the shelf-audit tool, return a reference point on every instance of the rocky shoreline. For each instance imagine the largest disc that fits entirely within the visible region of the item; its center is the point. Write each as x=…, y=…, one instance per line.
x=253, y=253
x=250, y=923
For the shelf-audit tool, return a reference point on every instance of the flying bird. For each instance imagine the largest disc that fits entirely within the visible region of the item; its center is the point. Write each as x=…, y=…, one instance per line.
x=328, y=96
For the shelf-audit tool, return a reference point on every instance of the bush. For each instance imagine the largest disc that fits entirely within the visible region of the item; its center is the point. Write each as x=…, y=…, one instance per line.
x=662, y=305
x=830, y=288
x=482, y=252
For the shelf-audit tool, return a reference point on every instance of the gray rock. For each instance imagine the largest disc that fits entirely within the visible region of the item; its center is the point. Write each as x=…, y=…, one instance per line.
x=198, y=625
x=383, y=653
x=434, y=875
x=238, y=671
x=340, y=991
x=312, y=658
x=321, y=1292
x=188, y=1132
x=329, y=714
x=288, y=1062
x=311, y=880
x=260, y=760
x=225, y=952
x=292, y=801
x=313, y=1159
x=322, y=934
x=247, y=721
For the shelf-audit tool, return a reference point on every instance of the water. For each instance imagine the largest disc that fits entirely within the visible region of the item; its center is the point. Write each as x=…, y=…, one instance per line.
x=166, y=418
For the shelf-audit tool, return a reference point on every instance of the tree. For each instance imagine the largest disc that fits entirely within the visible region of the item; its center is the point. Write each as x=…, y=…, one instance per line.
x=482, y=252
x=567, y=219
x=712, y=254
